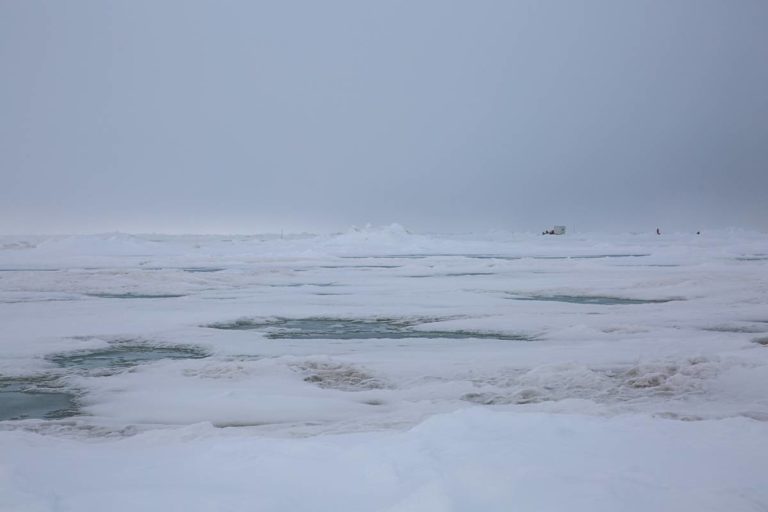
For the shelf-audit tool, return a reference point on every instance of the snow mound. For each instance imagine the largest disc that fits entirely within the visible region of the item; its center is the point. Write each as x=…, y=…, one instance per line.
x=385, y=240
x=466, y=461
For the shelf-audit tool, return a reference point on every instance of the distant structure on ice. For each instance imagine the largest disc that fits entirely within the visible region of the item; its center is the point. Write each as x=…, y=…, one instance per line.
x=556, y=230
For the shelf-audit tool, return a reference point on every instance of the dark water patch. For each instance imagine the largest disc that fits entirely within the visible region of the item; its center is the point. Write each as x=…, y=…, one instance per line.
x=299, y=285
x=121, y=355
x=598, y=256
x=353, y=329
x=25, y=300
x=358, y=266
x=401, y=256
x=755, y=415
x=589, y=256
x=735, y=329
x=30, y=269
x=439, y=255
x=32, y=300
x=202, y=269
x=34, y=398
x=651, y=265
x=242, y=424
x=593, y=300
x=130, y=295
x=506, y=256
x=763, y=340
x=453, y=274
x=463, y=274
x=752, y=258
x=491, y=257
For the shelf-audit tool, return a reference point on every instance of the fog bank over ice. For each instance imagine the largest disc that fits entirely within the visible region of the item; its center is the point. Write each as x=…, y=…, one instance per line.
x=443, y=115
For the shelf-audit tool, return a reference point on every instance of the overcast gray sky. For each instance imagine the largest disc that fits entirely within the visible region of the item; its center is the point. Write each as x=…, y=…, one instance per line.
x=246, y=116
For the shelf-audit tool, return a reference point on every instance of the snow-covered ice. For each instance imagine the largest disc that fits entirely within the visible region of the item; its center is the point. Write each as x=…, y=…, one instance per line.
x=378, y=369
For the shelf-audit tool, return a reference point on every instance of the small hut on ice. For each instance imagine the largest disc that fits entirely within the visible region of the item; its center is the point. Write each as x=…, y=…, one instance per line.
x=556, y=230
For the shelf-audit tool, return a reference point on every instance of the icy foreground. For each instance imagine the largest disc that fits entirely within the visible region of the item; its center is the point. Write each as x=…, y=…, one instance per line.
x=381, y=370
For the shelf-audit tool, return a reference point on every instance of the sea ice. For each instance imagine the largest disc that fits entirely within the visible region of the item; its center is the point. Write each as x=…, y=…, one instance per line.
x=378, y=369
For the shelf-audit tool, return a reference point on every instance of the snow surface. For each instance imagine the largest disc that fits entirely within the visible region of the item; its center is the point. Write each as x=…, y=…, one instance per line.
x=653, y=403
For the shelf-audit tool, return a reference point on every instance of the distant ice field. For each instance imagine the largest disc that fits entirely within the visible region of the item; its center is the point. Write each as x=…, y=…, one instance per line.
x=384, y=370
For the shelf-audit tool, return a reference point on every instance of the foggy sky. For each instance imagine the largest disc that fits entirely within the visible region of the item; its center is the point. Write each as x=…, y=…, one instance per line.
x=240, y=116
